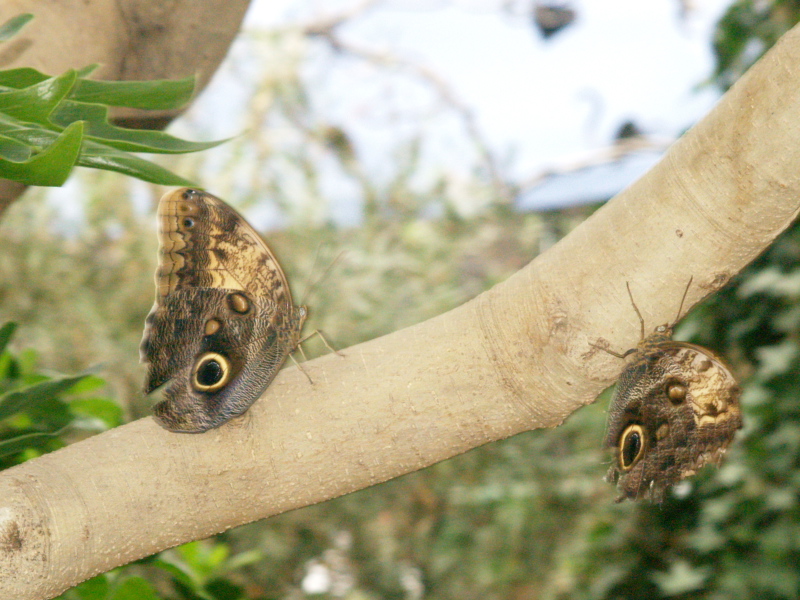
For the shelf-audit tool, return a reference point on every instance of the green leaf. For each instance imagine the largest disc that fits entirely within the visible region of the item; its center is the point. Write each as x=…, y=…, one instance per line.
x=35, y=107
x=129, y=140
x=84, y=72
x=18, y=400
x=177, y=572
x=192, y=553
x=222, y=589
x=6, y=333
x=243, y=559
x=159, y=94
x=216, y=556
x=108, y=411
x=134, y=588
x=11, y=27
x=102, y=157
x=94, y=154
x=182, y=576
x=90, y=383
x=50, y=167
x=19, y=443
x=35, y=103
x=8, y=370
x=28, y=362
x=21, y=78
x=13, y=150
x=96, y=588
x=32, y=134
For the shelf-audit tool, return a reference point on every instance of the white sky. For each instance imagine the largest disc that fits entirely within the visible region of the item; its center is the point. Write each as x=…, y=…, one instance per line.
x=537, y=102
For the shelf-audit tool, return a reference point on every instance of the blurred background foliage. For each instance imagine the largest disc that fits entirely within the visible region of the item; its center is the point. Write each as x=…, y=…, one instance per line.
x=529, y=517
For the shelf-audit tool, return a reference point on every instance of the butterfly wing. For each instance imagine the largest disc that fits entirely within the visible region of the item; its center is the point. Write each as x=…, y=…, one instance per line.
x=676, y=409
x=223, y=321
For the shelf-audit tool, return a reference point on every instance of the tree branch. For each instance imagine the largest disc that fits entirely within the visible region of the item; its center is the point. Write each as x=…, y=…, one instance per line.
x=515, y=358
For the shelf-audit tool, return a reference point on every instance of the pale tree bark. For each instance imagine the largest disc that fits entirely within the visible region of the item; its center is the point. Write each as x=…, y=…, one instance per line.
x=515, y=358
x=129, y=39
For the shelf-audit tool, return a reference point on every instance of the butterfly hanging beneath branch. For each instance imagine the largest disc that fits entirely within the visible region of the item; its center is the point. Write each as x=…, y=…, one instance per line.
x=223, y=322
x=676, y=408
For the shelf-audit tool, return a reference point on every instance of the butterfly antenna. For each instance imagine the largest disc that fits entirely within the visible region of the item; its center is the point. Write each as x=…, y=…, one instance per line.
x=308, y=291
x=324, y=274
x=636, y=308
x=685, y=292
x=311, y=285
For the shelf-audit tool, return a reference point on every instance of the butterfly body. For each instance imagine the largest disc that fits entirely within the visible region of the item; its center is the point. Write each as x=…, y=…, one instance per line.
x=223, y=322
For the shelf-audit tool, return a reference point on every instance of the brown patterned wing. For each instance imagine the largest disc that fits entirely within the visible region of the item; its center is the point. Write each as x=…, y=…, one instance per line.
x=676, y=409
x=204, y=243
x=223, y=321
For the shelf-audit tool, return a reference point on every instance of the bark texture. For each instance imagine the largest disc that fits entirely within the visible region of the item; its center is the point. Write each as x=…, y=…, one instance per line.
x=515, y=358
x=130, y=39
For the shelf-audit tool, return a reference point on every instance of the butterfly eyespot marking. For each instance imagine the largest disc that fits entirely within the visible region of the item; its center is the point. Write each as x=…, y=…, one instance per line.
x=676, y=392
x=190, y=194
x=212, y=326
x=188, y=222
x=187, y=209
x=238, y=303
x=211, y=372
x=631, y=446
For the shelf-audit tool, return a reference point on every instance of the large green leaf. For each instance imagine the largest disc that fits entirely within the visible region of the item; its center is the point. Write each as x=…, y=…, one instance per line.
x=160, y=94
x=53, y=165
x=134, y=588
x=19, y=443
x=35, y=103
x=96, y=588
x=32, y=135
x=157, y=94
x=6, y=333
x=21, y=78
x=102, y=157
x=178, y=572
x=26, y=398
x=108, y=412
x=90, y=383
x=130, y=140
x=13, y=150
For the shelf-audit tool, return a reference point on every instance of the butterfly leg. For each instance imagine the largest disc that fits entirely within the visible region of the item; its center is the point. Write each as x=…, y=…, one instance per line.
x=324, y=341
x=299, y=366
